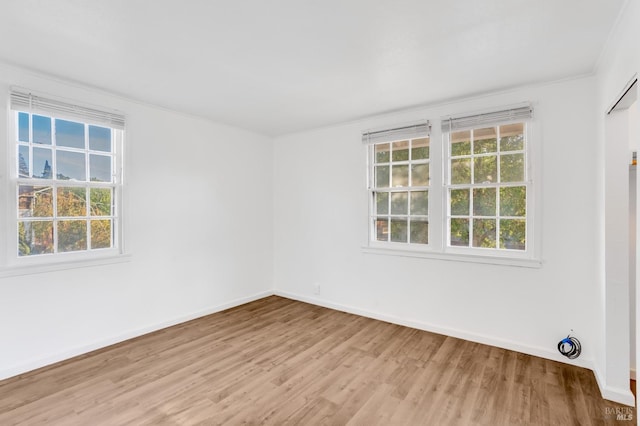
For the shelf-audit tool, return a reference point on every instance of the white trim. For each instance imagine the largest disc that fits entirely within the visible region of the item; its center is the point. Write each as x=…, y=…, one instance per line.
x=528, y=182
x=373, y=189
x=438, y=217
x=13, y=265
x=40, y=268
x=632, y=374
x=622, y=396
x=447, y=331
x=448, y=256
x=39, y=362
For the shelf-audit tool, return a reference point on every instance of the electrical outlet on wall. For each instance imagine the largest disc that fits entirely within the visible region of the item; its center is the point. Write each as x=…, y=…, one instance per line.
x=316, y=288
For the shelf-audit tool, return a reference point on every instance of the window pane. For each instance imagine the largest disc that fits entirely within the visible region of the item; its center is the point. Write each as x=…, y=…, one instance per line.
x=382, y=229
x=459, y=232
x=400, y=151
x=513, y=201
x=72, y=202
x=100, y=168
x=42, y=160
x=496, y=156
x=100, y=199
x=41, y=129
x=512, y=168
x=71, y=165
x=382, y=176
x=23, y=161
x=399, y=203
x=485, y=169
x=420, y=149
x=461, y=143
x=513, y=234
x=484, y=233
x=400, y=176
x=484, y=202
x=382, y=202
x=35, y=201
x=100, y=234
x=484, y=141
x=420, y=203
x=420, y=175
x=461, y=171
x=23, y=127
x=69, y=133
x=72, y=235
x=419, y=231
x=382, y=153
x=99, y=138
x=399, y=230
x=460, y=202
x=35, y=238
x=512, y=137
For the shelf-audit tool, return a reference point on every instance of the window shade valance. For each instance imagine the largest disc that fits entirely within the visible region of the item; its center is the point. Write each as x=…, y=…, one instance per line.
x=520, y=113
x=397, y=133
x=25, y=101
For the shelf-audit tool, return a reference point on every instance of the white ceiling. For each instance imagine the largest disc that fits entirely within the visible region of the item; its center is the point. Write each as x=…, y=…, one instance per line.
x=279, y=66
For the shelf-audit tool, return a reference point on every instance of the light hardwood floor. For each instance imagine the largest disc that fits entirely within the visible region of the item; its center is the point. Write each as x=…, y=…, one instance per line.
x=278, y=361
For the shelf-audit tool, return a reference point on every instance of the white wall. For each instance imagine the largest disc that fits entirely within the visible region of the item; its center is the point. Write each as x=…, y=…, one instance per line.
x=199, y=229
x=197, y=246
x=619, y=63
x=321, y=225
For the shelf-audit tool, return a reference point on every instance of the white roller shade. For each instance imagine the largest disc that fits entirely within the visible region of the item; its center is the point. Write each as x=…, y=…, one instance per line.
x=25, y=101
x=516, y=114
x=411, y=131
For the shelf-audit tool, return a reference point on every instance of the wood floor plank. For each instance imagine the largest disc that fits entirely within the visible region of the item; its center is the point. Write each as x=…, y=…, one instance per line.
x=276, y=361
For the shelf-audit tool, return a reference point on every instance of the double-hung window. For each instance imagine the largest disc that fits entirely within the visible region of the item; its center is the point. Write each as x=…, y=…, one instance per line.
x=399, y=184
x=487, y=182
x=478, y=206
x=66, y=179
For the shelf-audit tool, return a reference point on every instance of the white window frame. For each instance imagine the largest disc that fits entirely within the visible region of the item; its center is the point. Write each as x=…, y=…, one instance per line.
x=527, y=183
x=406, y=132
x=22, y=100
x=438, y=247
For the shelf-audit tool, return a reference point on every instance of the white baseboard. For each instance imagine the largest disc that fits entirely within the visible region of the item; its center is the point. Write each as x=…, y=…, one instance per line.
x=447, y=331
x=36, y=363
x=622, y=396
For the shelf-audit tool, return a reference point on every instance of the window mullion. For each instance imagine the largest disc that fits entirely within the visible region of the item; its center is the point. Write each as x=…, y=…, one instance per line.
x=87, y=190
x=472, y=161
x=87, y=197
x=371, y=188
x=498, y=200
x=54, y=188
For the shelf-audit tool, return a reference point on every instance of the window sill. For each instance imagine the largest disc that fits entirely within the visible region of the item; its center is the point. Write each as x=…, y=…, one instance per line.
x=455, y=257
x=39, y=268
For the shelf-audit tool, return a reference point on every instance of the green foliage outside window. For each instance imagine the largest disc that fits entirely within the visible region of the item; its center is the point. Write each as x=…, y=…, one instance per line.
x=488, y=203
